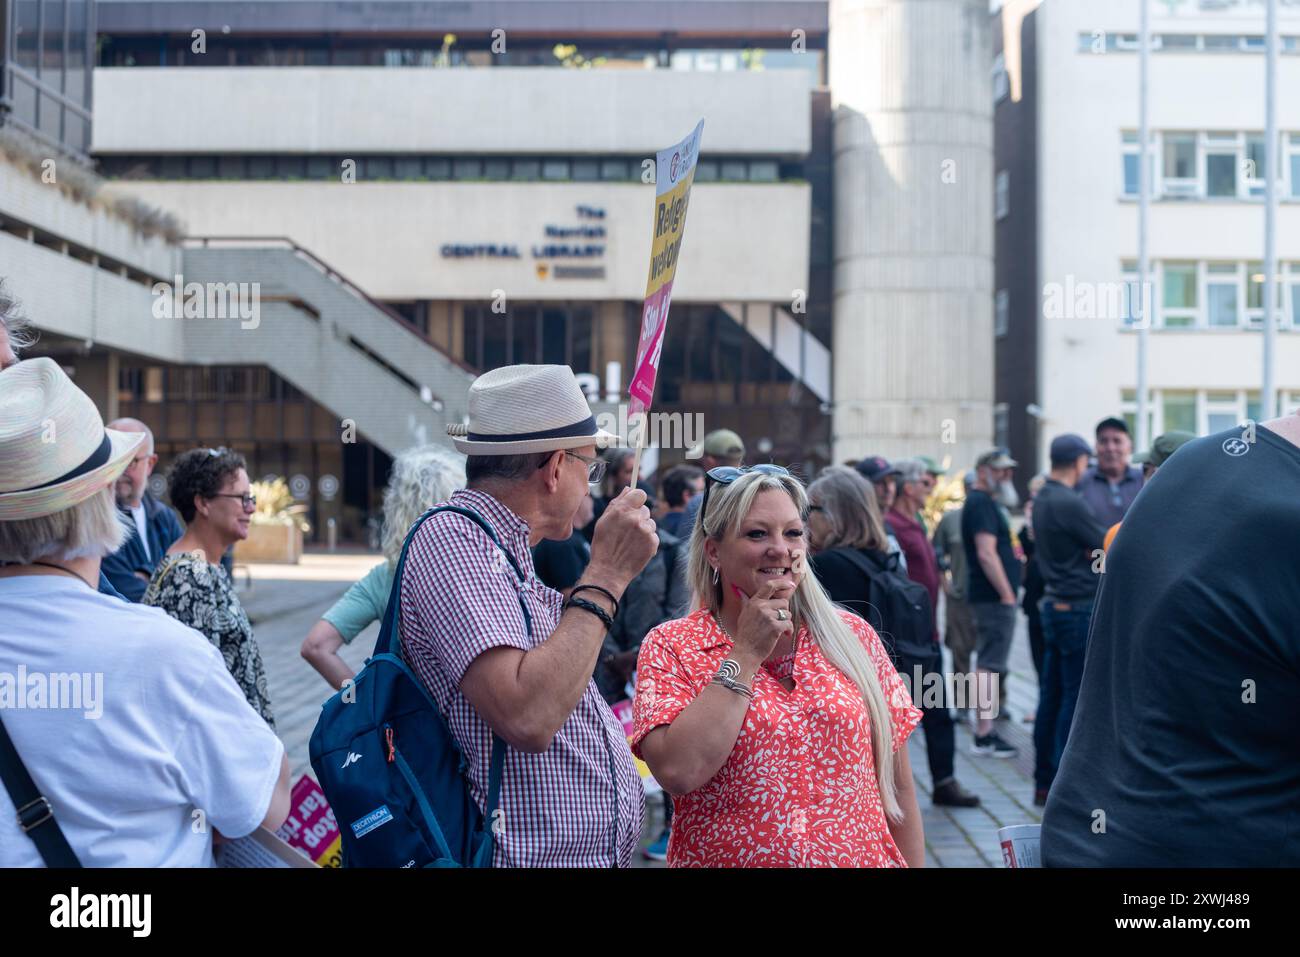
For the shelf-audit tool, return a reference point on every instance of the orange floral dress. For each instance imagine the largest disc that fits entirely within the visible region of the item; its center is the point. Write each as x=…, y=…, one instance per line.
x=799, y=789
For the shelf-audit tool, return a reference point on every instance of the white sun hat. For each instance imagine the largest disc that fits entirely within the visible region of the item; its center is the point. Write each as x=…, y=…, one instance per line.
x=54, y=450
x=515, y=410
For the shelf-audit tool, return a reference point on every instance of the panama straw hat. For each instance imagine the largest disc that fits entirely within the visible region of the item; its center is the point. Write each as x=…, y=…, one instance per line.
x=515, y=410
x=54, y=450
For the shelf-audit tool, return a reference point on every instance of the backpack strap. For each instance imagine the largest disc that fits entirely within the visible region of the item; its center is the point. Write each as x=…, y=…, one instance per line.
x=390, y=642
x=35, y=815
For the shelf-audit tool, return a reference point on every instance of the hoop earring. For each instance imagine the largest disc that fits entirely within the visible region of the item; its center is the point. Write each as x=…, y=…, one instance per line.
x=715, y=576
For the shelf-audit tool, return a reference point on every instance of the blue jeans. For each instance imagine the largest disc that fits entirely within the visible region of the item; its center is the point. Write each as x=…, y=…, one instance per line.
x=1065, y=640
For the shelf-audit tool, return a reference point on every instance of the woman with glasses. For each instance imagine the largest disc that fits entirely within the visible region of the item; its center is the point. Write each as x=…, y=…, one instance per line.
x=210, y=488
x=774, y=718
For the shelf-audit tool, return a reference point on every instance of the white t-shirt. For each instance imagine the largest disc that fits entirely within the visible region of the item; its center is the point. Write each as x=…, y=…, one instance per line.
x=137, y=513
x=175, y=733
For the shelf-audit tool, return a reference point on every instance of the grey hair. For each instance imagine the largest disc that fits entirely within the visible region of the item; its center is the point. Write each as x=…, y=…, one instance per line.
x=851, y=509
x=90, y=529
x=421, y=477
x=810, y=605
x=19, y=330
x=503, y=468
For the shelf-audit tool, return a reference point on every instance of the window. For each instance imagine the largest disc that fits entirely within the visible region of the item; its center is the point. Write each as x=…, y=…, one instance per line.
x=586, y=170
x=1179, y=409
x=1002, y=196
x=261, y=167
x=765, y=171
x=1222, y=411
x=734, y=171
x=1255, y=294
x=1134, y=306
x=1179, y=167
x=1223, y=294
x=437, y=167
x=1256, y=165
x=1220, y=43
x=379, y=167
x=1001, y=424
x=1254, y=408
x=1179, y=296
x=614, y=169
x=467, y=168
x=526, y=169
x=706, y=171
x=1002, y=313
x=555, y=169
x=496, y=167
x=1294, y=288
x=1128, y=408
x=1221, y=173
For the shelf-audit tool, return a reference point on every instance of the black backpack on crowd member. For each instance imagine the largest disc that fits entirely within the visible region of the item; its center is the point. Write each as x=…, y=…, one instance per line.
x=898, y=608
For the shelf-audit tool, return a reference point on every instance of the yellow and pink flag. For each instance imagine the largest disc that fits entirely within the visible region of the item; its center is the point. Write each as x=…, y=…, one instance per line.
x=674, y=174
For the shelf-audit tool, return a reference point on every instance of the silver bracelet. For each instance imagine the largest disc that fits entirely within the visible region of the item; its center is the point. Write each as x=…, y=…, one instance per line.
x=728, y=675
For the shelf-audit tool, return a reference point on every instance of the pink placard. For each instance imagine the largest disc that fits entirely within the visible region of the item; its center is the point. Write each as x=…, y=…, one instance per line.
x=310, y=826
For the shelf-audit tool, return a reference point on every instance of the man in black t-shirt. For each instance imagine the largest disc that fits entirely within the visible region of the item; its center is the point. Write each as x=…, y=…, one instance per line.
x=994, y=572
x=1185, y=749
x=1069, y=547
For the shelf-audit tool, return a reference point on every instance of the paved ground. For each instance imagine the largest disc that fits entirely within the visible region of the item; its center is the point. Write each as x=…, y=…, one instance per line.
x=285, y=601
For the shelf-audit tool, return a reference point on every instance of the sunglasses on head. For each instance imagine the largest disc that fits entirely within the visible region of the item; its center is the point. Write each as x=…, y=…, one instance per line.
x=726, y=474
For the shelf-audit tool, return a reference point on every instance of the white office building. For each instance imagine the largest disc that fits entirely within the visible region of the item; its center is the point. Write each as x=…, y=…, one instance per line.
x=1066, y=78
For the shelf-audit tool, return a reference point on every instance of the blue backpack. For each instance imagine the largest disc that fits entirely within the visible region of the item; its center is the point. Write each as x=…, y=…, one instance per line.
x=388, y=764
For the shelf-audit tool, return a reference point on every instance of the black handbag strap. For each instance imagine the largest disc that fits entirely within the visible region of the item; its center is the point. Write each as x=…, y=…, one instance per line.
x=35, y=815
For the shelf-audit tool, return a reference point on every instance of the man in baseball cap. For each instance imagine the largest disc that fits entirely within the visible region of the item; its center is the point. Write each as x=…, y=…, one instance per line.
x=1164, y=446
x=1069, y=542
x=1161, y=449
x=720, y=447
x=995, y=572
x=1110, y=486
x=883, y=476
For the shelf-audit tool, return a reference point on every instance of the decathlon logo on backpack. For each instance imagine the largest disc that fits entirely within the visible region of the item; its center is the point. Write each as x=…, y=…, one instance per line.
x=376, y=818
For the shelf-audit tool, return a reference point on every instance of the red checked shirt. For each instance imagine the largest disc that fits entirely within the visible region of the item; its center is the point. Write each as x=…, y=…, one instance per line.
x=580, y=802
x=799, y=788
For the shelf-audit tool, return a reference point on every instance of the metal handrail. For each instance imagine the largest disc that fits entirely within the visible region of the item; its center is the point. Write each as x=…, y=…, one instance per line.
x=330, y=273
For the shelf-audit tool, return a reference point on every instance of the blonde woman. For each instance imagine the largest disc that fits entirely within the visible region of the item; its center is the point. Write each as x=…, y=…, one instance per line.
x=774, y=718
x=421, y=478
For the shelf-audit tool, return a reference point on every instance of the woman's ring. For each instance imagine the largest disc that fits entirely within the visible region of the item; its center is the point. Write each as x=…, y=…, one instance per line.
x=781, y=614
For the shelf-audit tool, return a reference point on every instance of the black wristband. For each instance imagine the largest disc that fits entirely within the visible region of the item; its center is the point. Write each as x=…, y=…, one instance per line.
x=592, y=607
x=578, y=588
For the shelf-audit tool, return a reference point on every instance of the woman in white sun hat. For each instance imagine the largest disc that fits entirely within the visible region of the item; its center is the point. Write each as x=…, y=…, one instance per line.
x=125, y=741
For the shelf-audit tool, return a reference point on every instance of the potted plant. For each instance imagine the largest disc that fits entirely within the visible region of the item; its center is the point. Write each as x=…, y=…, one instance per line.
x=277, y=527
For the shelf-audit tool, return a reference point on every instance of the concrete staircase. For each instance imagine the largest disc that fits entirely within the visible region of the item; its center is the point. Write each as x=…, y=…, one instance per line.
x=320, y=332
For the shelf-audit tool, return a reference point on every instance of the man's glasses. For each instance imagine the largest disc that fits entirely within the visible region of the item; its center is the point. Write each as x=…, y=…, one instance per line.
x=726, y=474
x=595, y=466
x=248, y=500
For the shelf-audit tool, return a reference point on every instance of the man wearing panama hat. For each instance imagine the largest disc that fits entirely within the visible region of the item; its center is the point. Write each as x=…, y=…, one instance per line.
x=116, y=778
x=570, y=793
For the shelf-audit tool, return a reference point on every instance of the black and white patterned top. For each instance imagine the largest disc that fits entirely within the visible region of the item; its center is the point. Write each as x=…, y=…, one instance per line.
x=202, y=596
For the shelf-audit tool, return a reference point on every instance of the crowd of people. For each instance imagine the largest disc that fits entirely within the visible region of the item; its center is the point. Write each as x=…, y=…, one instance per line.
x=767, y=631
